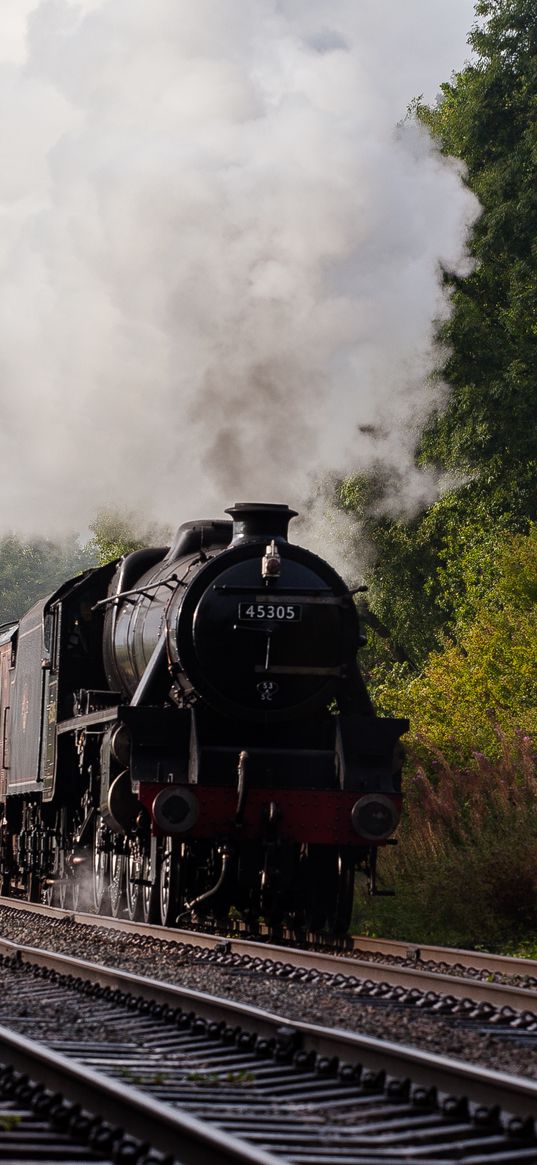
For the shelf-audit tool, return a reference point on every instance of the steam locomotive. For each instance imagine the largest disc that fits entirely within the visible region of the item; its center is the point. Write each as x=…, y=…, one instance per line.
x=185, y=733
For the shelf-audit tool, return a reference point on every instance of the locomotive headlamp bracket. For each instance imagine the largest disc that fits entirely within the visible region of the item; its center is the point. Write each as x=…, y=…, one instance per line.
x=271, y=566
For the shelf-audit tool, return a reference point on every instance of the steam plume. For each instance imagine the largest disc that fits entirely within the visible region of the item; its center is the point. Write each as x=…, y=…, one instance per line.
x=219, y=257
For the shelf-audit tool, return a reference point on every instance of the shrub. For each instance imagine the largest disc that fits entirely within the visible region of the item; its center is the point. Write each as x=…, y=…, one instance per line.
x=466, y=868
x=487, y=677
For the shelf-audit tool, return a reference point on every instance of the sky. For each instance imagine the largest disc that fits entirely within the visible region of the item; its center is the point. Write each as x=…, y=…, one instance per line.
x=220, y=251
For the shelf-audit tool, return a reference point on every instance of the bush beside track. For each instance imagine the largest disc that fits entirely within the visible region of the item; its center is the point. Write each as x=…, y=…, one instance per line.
x=465, y=871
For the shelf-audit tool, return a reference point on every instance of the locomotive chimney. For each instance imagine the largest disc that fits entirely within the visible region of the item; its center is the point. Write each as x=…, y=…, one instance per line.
x=259, y=521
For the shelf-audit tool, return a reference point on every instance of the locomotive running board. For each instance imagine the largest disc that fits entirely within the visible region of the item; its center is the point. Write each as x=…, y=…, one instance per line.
x=101, y=717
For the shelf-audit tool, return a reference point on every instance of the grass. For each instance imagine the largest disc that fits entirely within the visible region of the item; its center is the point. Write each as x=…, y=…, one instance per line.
x=242, y=1077
x=465, y=871
x=9, y=1121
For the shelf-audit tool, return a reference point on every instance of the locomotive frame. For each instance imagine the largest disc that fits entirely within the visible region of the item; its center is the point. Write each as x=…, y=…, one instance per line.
x=185, y=733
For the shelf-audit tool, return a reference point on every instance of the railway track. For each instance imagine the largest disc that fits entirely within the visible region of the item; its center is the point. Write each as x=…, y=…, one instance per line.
x=472, y=963
x=410, y=975
x=51, y=1113
x=206, y=1079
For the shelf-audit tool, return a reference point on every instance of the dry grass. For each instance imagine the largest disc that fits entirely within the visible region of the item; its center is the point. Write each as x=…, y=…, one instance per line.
x=465, y=871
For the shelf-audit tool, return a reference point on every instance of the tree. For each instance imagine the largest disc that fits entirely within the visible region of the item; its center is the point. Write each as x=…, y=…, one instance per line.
x=479, y=692
x=488, y=117
x=116, y=532
x=31, y=570
x=487, y=435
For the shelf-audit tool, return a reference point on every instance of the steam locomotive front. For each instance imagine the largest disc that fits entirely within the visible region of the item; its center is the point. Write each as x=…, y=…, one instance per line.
x=266, y=631
x=230, y=653
x=259, y=629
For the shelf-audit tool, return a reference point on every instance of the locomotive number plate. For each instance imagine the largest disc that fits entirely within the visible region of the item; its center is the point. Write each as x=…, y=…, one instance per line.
x=270, y=612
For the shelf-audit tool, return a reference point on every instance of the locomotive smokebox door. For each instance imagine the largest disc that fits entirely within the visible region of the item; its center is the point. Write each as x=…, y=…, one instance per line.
x=266, y=630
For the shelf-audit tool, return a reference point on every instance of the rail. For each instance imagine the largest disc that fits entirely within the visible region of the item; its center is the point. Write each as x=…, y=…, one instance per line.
x=413, y=976
x=481, y=1085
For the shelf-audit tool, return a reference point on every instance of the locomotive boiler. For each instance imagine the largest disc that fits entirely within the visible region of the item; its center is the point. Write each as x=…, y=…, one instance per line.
x=186, y=734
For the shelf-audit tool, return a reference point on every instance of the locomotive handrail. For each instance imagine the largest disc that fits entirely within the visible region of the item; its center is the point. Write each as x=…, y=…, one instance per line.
x=173, y=579
x=225, y=588
x=292, y=670
x=140, y=591
x=5, y=758
x=102, y=716
x=324, y=598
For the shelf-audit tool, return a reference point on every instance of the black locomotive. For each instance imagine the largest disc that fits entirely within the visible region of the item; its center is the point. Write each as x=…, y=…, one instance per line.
x=185, y=733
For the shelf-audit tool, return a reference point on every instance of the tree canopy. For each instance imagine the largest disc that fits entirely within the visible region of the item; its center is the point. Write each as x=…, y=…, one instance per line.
x=488, y=117
x=117, y=532
x=31, y=570
x=486, y=438
x=480, y=690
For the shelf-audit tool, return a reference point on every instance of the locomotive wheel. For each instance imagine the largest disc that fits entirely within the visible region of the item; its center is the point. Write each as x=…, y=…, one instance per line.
x=118, y=869
x=49, y=886
x=151, y=883
x=147, y=889
x=59, y=889
x=101, y=867
x=133, y=888
x=169, y=882
x=278, y=879
x=325, y=890
x=67, y=889
x=340, y=913
x=33, y=888
x=73, y=890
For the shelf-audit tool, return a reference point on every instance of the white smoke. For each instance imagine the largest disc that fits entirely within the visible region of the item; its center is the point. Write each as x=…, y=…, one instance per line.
x=219, y=256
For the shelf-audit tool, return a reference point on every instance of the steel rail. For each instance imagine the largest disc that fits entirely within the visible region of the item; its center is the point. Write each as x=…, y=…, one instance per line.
x=484, y=961
x=458, y=986
x=513, y=1094
x=453, y=956
x=397, y=948
x=171, y=1131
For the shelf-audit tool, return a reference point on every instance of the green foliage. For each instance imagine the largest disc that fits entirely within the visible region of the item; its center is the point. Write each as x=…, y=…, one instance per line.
x=431, y=574
x=31, y=570
x=399, y=613
x=488, y=117
x=115, y=533
x=489, y=675
x=455, y=589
